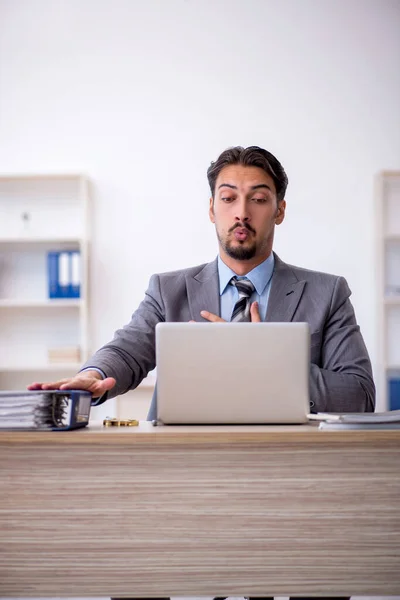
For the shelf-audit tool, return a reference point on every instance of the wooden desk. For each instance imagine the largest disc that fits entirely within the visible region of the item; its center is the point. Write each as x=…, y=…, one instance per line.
x=200, y=511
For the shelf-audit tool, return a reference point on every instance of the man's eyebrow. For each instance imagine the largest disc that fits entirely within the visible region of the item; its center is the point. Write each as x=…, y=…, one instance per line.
x=261, y=185
x=253, y=187
x=233, y=187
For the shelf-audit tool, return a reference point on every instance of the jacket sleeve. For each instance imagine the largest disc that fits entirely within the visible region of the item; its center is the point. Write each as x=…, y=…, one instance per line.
x=131, y=354
x=343, y=381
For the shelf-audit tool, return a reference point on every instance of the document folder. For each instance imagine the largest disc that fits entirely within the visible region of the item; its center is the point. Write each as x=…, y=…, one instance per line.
x=54, y=410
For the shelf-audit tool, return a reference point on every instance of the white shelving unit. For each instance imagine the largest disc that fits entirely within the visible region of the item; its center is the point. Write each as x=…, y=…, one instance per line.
x=388, y=278
x=40, y=214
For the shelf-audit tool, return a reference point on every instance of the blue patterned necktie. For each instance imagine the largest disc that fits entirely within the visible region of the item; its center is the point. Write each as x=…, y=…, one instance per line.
x=241, y=311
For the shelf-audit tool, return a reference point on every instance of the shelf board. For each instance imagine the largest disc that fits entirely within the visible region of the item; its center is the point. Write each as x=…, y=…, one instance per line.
x=390, y=173
x=392, y=300
x=54, y=303
x=40, y=240
x=39, y=176
x=394, y=237
x=148, y=382
x=15, y=368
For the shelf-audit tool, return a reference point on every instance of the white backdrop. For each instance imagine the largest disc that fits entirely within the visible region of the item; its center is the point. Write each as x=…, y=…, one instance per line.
x=141, y=96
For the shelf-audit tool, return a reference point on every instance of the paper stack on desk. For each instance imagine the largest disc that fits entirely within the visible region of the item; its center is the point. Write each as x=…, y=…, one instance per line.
x=44, y=409
x=378, y=420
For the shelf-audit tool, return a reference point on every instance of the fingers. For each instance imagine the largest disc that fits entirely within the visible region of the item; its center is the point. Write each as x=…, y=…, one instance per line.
x=97, y=387
x=34, y=386
x=80, y=382
x=211, y=317
x=55, y=385
x=255, y=313
x=101, y=387
x=108, y=383
x=77, y=383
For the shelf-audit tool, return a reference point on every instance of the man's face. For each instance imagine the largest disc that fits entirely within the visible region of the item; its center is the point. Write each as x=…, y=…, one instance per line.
x=245, y=211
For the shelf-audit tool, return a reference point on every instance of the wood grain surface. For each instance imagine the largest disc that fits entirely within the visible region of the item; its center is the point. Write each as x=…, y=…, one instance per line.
x=216, y=434
x=238, y=511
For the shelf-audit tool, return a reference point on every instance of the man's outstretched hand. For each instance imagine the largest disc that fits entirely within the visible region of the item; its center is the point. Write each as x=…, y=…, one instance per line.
x=90, y=381
x=254, y=315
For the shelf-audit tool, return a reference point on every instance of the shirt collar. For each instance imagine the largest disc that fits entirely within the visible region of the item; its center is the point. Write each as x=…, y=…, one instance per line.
x=259, y=276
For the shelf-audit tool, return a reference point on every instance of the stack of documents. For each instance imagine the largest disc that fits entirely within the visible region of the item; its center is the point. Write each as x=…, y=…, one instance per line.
x=378, y=420
x=52, y=409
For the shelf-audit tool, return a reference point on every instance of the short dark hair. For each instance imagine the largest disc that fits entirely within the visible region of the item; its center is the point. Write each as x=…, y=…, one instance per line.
x=253, y=156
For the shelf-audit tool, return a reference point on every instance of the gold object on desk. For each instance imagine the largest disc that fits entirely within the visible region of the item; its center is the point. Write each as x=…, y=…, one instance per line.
x=120, y=422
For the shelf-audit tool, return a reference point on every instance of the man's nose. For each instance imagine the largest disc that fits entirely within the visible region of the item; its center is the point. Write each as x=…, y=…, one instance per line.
x=242, y=212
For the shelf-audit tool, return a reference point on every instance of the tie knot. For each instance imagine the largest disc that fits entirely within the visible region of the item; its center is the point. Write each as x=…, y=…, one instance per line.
x=244, y=286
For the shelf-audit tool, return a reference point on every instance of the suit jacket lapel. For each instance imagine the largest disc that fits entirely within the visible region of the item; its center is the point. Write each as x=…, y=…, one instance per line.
x=203, y=291
x=285, y=294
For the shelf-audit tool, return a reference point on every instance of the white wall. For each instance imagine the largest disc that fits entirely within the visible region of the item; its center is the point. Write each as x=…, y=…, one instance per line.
x=143, y=95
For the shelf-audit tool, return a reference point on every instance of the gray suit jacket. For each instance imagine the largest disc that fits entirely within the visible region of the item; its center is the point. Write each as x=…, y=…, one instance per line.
x=340, y=371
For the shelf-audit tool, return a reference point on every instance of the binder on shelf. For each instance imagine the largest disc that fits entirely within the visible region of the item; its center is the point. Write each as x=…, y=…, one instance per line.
x=75, y=260
x=64, y=274
x=44, y=409
x=52, y=274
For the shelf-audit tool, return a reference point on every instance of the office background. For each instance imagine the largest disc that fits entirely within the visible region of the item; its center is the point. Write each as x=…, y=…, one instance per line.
x=141, y=96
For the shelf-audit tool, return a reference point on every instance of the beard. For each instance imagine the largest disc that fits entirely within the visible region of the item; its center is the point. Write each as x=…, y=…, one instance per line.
x=238, y=250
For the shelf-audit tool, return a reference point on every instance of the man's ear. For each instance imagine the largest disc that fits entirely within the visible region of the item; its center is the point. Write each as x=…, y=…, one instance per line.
x=280, y=213
x=211, y=210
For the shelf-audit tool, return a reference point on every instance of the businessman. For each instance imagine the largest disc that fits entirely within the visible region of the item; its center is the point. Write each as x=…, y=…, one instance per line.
x=246, y=282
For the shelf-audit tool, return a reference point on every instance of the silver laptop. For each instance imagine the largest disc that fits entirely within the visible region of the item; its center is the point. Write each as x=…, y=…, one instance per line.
x=232, y=373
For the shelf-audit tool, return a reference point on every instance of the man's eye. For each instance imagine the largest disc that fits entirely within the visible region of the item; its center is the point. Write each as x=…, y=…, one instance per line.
x=227, y=198
x=259, y=200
